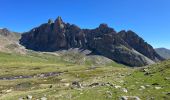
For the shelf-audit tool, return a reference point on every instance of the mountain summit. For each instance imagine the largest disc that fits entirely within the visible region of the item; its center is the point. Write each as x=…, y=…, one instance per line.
x=124, y=47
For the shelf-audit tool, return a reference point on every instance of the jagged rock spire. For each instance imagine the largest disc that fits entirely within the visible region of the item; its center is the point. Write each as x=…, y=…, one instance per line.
x=50, y=21
x=103, y=25
x=59, y=23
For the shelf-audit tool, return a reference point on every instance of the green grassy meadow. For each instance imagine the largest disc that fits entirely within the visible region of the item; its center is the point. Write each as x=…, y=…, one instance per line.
x=155, y=78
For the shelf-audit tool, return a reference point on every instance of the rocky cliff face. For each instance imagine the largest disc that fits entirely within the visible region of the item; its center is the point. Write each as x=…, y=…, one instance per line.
x=57, y=35
x=139, y=45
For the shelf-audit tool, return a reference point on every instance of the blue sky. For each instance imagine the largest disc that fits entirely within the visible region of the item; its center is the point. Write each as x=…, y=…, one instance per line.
x=150, y=19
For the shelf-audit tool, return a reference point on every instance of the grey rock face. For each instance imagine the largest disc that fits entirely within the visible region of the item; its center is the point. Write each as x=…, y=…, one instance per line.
x=103, y=41
x=139, y=45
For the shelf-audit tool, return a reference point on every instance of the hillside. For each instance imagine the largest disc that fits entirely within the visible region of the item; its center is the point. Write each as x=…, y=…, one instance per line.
x=163, y=52
x=53, y=76
x=9, y=42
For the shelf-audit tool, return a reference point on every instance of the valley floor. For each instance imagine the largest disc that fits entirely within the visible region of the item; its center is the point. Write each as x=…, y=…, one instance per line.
x=45, y=76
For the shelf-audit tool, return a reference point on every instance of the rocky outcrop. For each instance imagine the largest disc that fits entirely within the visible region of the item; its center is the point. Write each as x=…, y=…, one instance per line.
x=57, y=35
x=139, y=45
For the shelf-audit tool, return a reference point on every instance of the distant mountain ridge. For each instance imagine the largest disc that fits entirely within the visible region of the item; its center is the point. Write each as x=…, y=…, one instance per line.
x=163, y=52
x=9, y=41
x=125, y=47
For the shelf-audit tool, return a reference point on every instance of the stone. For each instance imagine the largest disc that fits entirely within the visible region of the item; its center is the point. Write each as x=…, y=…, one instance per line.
x=130, y=98
x=167, y=78
x=81, y=93
x=21, y=98
x=94, y=84
x=43, y=98
x=109, y=84
x=147, y=86
x=142, y=87
x=145, y=70
x=50, y=86
x=117, y=86
x=29, y=97
x=76, y=84
x=67, y=84
x=124, y=90
x=8, y=90
x=109, y=92
x=157, y=88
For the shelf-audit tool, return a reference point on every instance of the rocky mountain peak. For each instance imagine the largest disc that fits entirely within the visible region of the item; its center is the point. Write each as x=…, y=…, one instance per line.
x=103, y=25
x=104, y=40
x=105, y=29
x=50, y=21
x=59, y=22
x=4, y=32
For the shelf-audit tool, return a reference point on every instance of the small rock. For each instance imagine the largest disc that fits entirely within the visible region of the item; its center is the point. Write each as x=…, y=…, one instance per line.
x=50, y=86
x=129, y=98
x=109, y=84
x=8, y=90
x=167, y=78
x=142, y=87
x=145, y=70
x=20, y=99
x=29, y=96
x=108, y=92
x=43, y=98
x=147, y=86
x=137, y=82
x=81, y=93
x=124, y=90
x=66, y=84
x=117, y=86
x=152, y=98
x=94, y=84
x=157, y=88
x=76, y=84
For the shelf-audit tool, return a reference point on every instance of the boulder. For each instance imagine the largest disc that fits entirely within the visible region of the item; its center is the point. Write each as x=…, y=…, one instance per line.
x=130, y=98
x=76, y=84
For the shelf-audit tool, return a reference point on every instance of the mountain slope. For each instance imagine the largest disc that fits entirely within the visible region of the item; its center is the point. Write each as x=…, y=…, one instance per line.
x=139, y=45
x=9, y=41
x=103, y=40
x=163, y=52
